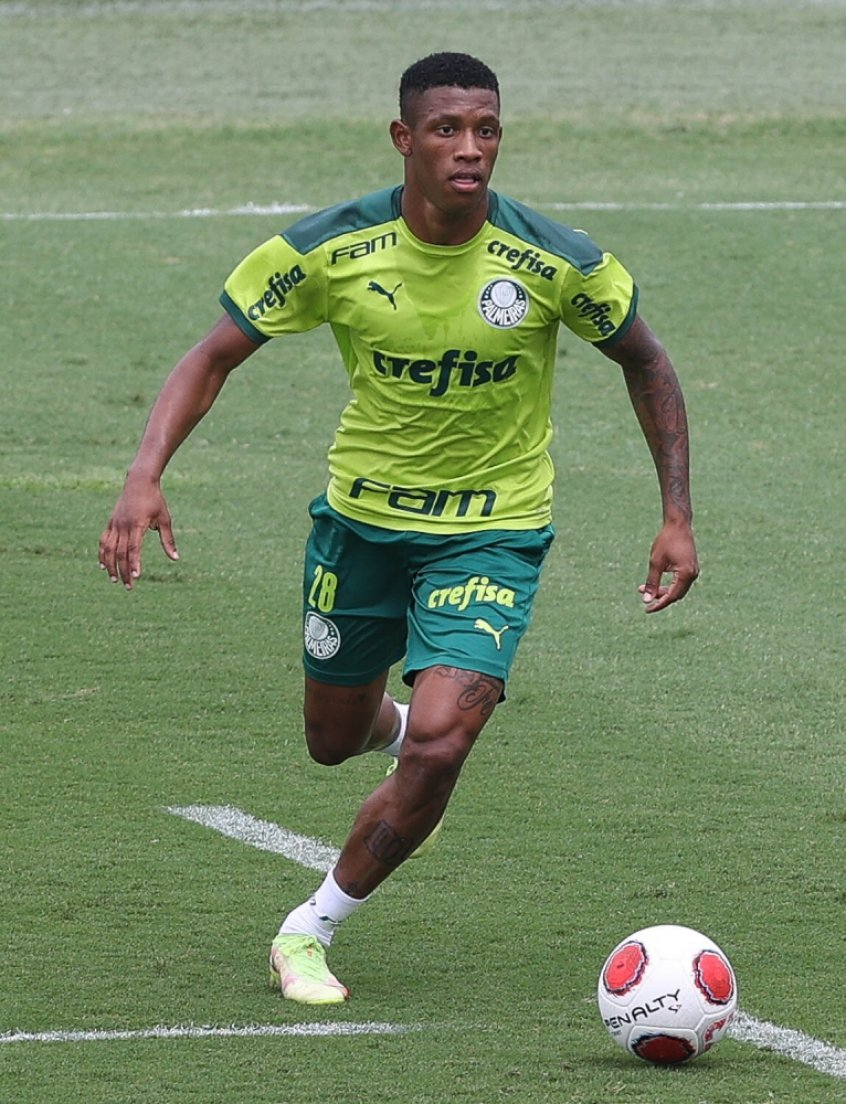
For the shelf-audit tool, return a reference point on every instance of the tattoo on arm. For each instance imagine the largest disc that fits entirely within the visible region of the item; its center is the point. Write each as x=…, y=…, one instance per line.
x=658, y=402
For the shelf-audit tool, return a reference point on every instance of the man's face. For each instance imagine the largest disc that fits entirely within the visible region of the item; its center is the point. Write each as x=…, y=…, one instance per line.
x=450, y=141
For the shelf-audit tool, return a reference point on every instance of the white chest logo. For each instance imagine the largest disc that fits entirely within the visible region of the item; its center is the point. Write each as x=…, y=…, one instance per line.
x=503, y=303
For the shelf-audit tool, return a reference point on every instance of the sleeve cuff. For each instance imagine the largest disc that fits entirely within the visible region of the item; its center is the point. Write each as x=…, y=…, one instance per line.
x=241, y=321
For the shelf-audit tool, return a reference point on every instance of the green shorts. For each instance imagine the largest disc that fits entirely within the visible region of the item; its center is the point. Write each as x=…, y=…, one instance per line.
x=373, y=595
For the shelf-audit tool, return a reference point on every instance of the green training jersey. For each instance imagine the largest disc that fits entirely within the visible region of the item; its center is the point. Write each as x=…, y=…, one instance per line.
x=450, y=352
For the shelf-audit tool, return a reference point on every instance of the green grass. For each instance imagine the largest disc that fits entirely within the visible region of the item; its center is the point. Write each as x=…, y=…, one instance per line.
x=687, y=768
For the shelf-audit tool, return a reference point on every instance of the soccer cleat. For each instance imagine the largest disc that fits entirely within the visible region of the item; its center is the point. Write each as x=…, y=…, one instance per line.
x=298, y=970
x=430, y=841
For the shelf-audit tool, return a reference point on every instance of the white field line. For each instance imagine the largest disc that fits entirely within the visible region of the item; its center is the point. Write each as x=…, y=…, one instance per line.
x=740, y=205
x=240, y=826
x=766, y=1036
x=820, y=1056
x=187, y=213
x=192, y=1031
x=257, y=209
x=316, y=855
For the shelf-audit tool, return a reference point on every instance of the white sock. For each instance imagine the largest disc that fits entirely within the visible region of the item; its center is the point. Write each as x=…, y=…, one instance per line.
x=322, y=913
x=393, y=748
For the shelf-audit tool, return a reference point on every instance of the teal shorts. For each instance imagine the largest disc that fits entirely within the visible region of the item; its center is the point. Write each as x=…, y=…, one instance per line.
x=373, y=595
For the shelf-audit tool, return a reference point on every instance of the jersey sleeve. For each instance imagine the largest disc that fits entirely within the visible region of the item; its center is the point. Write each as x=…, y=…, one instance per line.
x=276, y=290
x=600, y=304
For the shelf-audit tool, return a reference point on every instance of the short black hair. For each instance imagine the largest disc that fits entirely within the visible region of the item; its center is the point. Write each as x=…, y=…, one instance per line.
x=444, y=70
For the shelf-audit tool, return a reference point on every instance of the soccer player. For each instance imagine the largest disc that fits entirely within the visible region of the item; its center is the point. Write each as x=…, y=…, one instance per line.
x=445, y=299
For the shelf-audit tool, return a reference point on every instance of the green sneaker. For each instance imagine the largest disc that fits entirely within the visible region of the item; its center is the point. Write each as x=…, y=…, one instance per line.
x=430, y=841
x=298, y=970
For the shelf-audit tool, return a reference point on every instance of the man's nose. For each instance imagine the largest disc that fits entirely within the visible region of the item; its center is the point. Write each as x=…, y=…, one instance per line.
x=468, y=146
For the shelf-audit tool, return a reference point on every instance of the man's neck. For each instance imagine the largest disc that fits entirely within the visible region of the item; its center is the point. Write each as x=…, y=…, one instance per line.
x=437, y=227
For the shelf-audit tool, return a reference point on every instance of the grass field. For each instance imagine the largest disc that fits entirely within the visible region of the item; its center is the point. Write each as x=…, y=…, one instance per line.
x=686, y=768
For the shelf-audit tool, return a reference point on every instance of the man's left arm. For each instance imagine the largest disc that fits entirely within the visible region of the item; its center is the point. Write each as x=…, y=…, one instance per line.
x=658, y=402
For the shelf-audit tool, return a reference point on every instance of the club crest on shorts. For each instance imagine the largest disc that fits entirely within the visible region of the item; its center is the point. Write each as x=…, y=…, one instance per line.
x=503, y=303
x=321, y=636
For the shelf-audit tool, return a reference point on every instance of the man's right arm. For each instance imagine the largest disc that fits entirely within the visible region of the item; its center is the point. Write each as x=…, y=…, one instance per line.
x=187, y=395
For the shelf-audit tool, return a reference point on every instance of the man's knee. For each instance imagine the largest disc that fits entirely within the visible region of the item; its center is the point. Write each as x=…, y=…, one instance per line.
x=339, y=720
x=437, y=755
x=332, y=744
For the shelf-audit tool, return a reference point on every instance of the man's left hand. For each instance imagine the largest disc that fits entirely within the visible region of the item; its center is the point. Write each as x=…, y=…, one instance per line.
x=673, y=552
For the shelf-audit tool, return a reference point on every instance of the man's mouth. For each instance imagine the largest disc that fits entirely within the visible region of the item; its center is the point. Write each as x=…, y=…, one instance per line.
x=466, y=181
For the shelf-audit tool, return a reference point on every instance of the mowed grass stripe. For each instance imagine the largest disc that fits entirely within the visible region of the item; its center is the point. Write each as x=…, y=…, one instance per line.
x=113, y=8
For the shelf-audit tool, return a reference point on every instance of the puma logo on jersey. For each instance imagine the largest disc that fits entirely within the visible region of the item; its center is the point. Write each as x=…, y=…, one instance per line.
x=389, y=295
x=487, y=627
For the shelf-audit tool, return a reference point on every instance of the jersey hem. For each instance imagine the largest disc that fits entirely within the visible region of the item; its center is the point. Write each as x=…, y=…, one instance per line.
x=328, y=678
x=410, y=672
x=411, y=524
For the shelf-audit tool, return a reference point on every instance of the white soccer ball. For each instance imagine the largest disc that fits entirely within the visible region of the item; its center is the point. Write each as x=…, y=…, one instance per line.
x=667, y=994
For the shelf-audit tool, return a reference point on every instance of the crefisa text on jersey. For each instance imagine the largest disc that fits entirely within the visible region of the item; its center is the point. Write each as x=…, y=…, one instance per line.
x=597, y=312
x=529, y=259
x=465, y=368
x=279, y=286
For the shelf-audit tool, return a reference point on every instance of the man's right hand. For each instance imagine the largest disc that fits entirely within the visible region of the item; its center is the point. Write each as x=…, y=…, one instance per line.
x=186, y=397
x=141, y=507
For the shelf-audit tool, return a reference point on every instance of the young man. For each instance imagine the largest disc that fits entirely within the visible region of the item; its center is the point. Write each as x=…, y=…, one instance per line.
x=445, y=299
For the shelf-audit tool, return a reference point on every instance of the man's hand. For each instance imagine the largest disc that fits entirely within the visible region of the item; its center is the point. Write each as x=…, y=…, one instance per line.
x=187, y=395
x=141, y=507
x=673, y=552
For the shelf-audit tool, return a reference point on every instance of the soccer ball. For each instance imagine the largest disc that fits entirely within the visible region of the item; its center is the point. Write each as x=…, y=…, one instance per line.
x=667, y=994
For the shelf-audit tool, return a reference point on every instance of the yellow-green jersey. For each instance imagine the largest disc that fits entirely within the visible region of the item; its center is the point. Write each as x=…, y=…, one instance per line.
x=450, y=352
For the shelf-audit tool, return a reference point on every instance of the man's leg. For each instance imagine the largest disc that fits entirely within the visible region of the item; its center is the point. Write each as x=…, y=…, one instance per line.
x=343, y=721
x=449, y=707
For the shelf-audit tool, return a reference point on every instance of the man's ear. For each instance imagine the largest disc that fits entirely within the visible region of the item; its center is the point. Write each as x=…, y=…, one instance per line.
x=401, y=137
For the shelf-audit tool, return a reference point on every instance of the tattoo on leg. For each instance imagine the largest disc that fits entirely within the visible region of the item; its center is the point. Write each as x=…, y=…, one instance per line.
x=387, y=845
x=480, y=692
